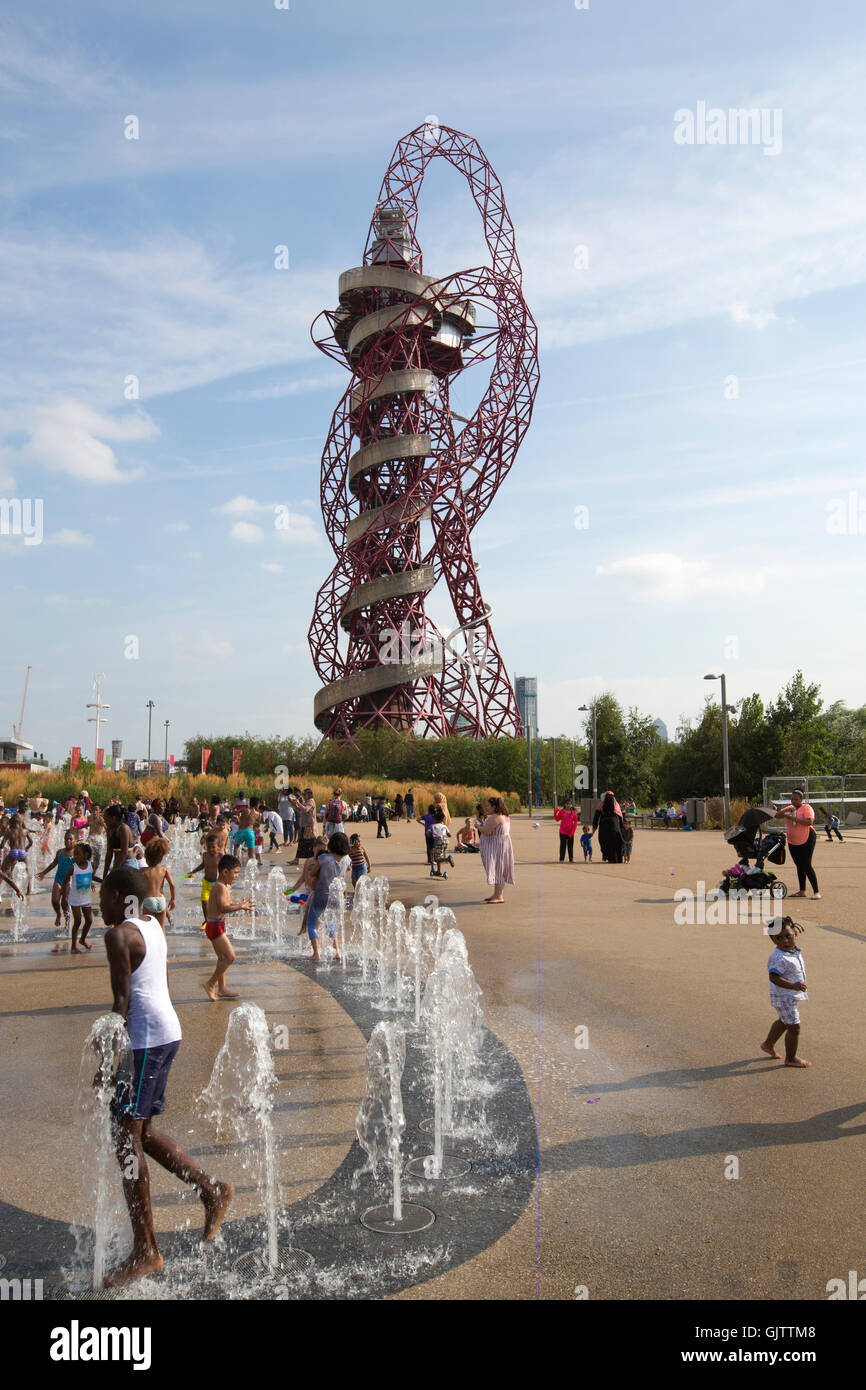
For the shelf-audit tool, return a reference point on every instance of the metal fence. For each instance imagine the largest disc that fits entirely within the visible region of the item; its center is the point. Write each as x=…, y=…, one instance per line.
x=844, y=796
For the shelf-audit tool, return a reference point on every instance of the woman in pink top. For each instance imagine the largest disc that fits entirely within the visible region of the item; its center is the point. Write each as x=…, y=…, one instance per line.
x=799, y=828
x=568, y=821
x=497, y=854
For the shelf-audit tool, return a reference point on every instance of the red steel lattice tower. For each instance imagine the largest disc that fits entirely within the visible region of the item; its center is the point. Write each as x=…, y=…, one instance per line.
x=402, y=485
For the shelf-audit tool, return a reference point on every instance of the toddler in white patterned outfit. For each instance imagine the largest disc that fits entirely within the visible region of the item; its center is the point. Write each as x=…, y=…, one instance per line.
x=787, y=987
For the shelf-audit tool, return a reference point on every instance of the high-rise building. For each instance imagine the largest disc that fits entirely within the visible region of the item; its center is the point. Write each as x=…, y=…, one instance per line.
x=662, y=728
x=526, y=690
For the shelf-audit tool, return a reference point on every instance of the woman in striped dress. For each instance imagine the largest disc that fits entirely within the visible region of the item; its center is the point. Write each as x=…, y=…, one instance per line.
x=497, y=854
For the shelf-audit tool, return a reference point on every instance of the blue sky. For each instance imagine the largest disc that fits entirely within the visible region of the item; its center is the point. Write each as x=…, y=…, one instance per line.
x=707, y=545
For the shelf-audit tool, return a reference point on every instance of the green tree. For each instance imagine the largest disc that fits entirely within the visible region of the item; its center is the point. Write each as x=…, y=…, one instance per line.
x=753, y=748
x=846, y=729
x=804, y=743
x=613, y=762
x=643, y=745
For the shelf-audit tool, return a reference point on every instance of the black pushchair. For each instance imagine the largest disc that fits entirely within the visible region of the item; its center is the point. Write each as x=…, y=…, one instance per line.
x=750, y=844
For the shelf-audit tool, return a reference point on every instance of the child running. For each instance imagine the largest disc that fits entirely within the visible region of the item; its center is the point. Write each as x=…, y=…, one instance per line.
x=77, y=892
x=16, y=852
x=219, y=905
x=210, y=861
x=586, y=844
x=787, y=988
x=62, y=861
x=157, y=875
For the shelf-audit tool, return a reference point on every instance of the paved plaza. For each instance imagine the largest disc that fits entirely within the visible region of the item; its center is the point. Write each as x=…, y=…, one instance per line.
x=641, y=1131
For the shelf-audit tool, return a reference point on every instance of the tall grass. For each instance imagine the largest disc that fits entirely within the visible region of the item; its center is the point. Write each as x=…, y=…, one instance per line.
x=462, y=800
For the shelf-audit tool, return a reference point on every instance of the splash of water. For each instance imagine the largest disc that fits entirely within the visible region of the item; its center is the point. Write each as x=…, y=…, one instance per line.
x=364, y=924
x=100, y=1220
x=380, y=1120
x=276, y=904
x=452, y=1016
x=239, y=1100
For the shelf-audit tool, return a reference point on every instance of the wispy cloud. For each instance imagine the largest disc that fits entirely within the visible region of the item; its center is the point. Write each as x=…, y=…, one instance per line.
x=305, y=386
x=668, y=578
x=69, y=537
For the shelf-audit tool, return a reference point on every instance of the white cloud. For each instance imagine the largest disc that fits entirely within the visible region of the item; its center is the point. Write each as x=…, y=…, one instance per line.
x=69, y=438
x=242, y=506
x=668, y=578
x=177, y=526
x=67, y=536
x=298, y=529
x=270, y=567
x=247, y=532
x=289, y=526
x=741, y=313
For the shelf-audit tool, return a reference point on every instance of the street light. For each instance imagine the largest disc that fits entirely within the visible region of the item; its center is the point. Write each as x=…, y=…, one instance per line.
x=590, y=709
x=149, y=708
x=725, y=767
x=166, y=745
x=97, y=719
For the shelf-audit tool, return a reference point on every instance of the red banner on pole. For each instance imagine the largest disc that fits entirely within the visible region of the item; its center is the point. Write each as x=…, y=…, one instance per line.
x=237, y=754
x=75, y=759
x=171, y=759
x=100, y=759
x=205, y=754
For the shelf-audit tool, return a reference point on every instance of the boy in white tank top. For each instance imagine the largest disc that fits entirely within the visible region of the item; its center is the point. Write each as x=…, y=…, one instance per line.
x=137, y=960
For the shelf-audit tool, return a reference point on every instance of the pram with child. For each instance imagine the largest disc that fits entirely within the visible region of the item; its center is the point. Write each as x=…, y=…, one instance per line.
x=749, y=843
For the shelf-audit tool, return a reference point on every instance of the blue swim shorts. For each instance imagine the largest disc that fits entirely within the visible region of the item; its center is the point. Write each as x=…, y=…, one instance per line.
x=142, y=1095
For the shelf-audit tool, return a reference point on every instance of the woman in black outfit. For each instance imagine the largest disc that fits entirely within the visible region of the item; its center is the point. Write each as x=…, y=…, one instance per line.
x=608, y=821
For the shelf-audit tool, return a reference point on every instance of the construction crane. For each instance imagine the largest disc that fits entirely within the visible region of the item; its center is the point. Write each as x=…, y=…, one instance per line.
x=16, y=728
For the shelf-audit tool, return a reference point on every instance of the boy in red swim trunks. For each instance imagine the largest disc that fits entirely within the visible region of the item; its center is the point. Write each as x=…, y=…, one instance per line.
x=211, y=854
x=218, y=907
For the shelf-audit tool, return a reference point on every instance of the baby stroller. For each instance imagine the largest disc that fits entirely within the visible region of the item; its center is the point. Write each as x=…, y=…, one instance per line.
x=750, y=844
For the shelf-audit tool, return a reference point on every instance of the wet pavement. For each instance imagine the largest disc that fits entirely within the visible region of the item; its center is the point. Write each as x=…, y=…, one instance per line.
x=677, y=1161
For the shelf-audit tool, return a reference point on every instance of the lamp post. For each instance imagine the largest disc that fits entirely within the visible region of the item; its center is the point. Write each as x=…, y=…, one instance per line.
x=725, y=767
x=590, y=709
x=149, y=708
x=166, y=745
x=529, y=754
x=97, y=719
